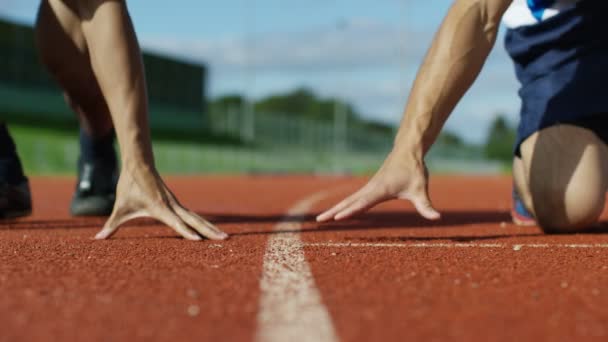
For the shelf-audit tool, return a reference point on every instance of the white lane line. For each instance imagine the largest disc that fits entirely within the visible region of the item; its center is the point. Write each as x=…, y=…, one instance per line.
x=291, y=308
x=516, y=247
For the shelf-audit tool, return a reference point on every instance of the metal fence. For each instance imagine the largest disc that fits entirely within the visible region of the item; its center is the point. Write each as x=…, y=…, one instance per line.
x=282, y=130
x=284, y=143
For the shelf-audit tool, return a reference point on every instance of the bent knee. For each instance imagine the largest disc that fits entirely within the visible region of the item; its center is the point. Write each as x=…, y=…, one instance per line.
x=569, y=211
x=566, y=168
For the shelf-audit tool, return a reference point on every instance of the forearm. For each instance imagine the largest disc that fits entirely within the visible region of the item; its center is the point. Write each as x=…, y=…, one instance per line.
x=117, y=62
x=450, y=67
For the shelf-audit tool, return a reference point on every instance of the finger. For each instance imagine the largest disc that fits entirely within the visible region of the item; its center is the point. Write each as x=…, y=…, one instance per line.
x=204, y=227
x=114, y=222
x=362, y=204
x=331, y=213
x=109, y=228
x=171, y=219
x=423, y=205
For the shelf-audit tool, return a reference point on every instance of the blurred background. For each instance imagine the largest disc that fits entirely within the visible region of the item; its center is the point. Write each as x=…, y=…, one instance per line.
x=248, y=86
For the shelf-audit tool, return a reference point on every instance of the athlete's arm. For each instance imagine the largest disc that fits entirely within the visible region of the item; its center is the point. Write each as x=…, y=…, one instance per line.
x=452, y=64
x=117, y=64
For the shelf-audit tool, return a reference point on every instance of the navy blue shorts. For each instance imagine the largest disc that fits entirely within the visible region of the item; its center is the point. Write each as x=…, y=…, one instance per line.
x=562, y=65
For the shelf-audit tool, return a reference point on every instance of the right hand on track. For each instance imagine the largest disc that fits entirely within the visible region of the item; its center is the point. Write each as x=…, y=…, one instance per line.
x=400, y=177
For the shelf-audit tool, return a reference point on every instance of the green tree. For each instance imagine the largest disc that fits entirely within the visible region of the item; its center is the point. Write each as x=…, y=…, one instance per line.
x=500, y=140
x=451, y=139
x=303, y=102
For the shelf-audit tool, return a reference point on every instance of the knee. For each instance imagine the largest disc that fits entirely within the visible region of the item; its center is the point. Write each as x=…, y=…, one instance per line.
x=566, y=167
x=567, y=210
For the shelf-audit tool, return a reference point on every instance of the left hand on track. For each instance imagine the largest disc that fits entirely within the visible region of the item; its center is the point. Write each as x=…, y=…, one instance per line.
x=142, y=193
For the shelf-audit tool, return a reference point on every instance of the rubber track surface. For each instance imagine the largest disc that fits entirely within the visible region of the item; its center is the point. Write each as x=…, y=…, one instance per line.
x=387, y=276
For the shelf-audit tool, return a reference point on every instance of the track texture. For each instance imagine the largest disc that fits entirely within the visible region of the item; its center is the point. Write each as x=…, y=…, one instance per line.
x=401, y=278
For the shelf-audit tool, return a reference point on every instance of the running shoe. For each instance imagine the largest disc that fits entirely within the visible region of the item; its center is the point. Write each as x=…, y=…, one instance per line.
x=520, y=215
x=15, y=196
x=96, y=189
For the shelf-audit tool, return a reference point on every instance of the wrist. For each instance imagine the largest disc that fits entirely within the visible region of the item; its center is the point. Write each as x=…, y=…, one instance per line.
x=407, y=153
x=138, y=166
x=409, y=146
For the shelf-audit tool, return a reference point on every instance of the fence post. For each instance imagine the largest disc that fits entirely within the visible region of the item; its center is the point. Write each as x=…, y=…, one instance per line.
x=248, y=122
x=340, y=128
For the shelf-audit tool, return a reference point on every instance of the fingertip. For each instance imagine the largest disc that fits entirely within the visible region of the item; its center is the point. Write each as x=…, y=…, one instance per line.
x=214, y=233
x=324, y=217
x=101, y=235
x=435, y=216
x=222, y=236
x=432, y=215
x=342, y=216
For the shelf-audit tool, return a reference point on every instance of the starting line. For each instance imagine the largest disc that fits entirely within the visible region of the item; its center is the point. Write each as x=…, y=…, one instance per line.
x=291, y=307
x=515, y=247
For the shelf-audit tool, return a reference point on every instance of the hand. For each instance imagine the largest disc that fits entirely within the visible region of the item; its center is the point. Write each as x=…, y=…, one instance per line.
x=399, y=178
x=142, y=193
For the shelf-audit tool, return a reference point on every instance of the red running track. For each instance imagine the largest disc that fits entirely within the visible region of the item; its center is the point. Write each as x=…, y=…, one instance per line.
x=388, y=276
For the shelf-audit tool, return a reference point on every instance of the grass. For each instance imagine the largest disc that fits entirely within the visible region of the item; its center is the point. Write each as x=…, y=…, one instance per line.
x=52, y=151
x=55, y=152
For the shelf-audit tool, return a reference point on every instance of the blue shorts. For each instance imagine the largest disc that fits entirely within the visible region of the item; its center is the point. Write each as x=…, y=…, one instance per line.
x=562, y=65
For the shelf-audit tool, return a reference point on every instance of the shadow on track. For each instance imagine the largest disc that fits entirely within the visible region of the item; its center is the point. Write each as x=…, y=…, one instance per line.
x=75, y=223
x=451, y=238
x=369, y=221
x=383, y=220
x=374, y=220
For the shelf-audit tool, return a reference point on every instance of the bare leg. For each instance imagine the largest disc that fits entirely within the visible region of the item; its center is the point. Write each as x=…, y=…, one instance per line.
x=564, y=178
x=64, y=51
x=106, y=30
x=521, y=183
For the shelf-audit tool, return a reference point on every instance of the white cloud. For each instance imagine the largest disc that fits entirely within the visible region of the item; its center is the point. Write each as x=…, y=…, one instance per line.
x=357, y=44
x=369, y=63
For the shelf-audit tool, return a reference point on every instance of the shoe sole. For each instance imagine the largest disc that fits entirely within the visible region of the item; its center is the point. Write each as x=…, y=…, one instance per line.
x=522, y=221
x=16, y=201
x=15, y=214
x=92, y=206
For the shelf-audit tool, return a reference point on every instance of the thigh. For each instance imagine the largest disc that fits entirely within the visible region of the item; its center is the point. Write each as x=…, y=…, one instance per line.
x=565, y=169
x=64, y=51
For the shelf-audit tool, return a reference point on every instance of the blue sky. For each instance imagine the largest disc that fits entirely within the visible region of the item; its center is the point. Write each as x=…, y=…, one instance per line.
x=365, y=51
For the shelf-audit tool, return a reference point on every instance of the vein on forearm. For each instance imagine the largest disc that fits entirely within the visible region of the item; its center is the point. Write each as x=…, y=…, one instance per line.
x=452, y=64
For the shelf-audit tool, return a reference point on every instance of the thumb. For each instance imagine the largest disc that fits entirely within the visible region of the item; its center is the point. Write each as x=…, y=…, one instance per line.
x=423, y=205
x=109, y=228
x=117, y=218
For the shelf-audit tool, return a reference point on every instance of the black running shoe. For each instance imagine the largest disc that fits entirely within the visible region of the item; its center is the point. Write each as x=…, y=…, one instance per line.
x=15, y=196
x=15, y=200
x=95, y=190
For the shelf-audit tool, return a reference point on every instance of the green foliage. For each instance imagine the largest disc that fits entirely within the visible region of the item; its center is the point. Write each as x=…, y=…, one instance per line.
x=500, y=140
x=301, y=103
x=379, y=127
x=304, y=103
x=451, y=139
x=49, y=151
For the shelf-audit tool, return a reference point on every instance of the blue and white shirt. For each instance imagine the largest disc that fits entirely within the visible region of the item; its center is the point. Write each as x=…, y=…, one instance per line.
x=560, y=53
x=531, y=12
